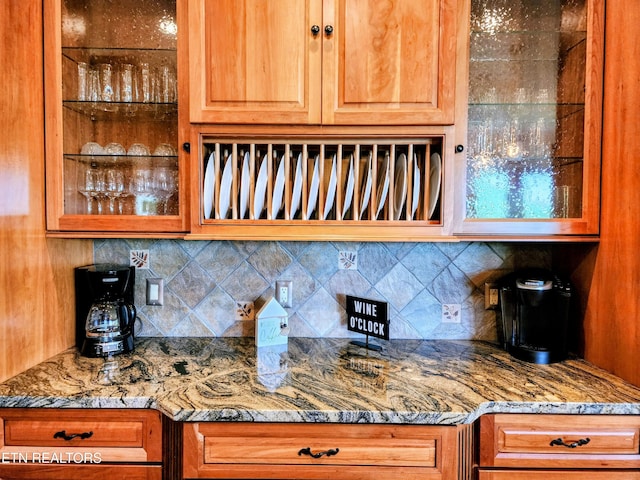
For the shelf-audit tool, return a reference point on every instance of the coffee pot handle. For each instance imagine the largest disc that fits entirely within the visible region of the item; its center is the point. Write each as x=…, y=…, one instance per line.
x=127, y=315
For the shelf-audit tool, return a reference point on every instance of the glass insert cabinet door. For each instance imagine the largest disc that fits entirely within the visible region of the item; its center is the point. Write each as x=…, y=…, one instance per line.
x=114, y=78
x=532, y=164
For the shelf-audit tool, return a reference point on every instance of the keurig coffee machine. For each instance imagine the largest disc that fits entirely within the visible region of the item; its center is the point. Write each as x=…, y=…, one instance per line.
x=534, y=306
x=105, y=313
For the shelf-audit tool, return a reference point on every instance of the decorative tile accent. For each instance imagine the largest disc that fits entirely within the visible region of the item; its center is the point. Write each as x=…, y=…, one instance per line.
x=347, y=260
x=245, y=310
x=204, y=281
x=451, y=313
x=139, y=259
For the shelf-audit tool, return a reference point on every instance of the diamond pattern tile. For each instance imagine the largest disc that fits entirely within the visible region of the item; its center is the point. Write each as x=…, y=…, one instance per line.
x=203, y=279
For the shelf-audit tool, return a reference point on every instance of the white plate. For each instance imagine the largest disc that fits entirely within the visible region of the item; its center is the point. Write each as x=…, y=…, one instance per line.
x=224, y=201
x=416, y=186
x=261, y=189
x=400, y=186
x=435, y=171
x=313, y=188
x=209, y=186
x=366, y=186
x=297, y=188
x=348, y=194
x=383, y=183
x=331, y=189
x=278, y=191
x=245, y=181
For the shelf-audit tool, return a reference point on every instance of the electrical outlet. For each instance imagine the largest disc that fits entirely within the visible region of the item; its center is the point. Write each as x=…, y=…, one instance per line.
x=491, y=296
x=284, y=294
x=155, y=291
x=451, y=313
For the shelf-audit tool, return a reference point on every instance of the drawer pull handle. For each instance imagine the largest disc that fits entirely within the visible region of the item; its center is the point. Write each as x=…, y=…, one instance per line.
x=63, y=434
x=560, y=442
x=328, y=453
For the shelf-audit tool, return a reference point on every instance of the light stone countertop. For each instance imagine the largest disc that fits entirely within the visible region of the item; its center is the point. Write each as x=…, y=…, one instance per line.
x=320, y=380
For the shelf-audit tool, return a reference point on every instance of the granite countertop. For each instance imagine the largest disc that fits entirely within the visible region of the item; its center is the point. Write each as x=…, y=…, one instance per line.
x=320, y=380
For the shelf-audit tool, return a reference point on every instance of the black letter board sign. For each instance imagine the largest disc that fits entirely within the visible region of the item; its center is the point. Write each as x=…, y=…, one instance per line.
x=369, y=317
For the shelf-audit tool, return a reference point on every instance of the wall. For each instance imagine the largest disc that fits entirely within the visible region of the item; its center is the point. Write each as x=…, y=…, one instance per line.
x=36, y=279
x=204, y=280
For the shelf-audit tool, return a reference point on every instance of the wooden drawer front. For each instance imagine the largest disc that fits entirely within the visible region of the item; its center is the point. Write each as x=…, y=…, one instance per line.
x=111, y=435
x=87, y=433
x=570, y=441
x=79, y=472
x=245, y=447
x=567, y=440
x=557, y=475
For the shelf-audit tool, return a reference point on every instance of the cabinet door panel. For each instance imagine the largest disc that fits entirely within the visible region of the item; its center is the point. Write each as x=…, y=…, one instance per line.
x=254, y=61
x=533, y=136
x=389, y=62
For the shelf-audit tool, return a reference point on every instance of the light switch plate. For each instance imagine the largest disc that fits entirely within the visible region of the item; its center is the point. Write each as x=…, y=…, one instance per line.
x=155, y=291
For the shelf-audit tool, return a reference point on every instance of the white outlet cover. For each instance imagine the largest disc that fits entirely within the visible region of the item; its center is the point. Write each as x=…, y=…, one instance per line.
x=451, y=313
x=245, y=311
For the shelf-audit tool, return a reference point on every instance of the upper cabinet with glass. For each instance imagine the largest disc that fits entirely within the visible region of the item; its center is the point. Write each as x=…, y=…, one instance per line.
x=112, y=117
x=532, y=163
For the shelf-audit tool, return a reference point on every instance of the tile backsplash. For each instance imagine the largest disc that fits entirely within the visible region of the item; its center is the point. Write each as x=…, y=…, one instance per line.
x=205, y=280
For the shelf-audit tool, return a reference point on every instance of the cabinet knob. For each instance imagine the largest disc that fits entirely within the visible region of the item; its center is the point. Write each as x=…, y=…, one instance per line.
x=315, y=30
x=459, y=148
x=328, y=30
x=186, y=146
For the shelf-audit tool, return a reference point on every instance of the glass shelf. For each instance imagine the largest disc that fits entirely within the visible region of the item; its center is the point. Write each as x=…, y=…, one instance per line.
x=111, y=110
x=95, y=55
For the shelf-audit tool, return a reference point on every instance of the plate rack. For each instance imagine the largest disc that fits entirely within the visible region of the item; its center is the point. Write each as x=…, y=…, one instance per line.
x=267, y=180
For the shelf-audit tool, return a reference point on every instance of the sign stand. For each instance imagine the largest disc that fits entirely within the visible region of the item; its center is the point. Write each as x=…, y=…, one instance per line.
x=366, y=344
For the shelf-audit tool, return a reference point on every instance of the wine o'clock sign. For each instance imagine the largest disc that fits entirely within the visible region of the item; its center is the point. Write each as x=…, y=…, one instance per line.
x=369, y=317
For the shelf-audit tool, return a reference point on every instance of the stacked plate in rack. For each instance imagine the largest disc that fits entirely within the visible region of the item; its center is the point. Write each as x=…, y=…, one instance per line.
x=406, y=187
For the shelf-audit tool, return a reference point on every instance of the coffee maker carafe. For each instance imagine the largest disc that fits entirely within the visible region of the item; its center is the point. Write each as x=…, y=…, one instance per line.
x=534, y=306
x=105, y=313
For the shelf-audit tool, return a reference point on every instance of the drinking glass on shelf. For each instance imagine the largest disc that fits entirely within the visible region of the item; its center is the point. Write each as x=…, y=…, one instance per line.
x=144, y=192
x=114, y=148
x=107, y=90
x=127, y=84
x=165, y=150
x=114, y=188
x=138, y=150
x=145, y=91
x=165, y=181
x=93, y=93
x=91, y=186
x=83, y=81
x=167, y=84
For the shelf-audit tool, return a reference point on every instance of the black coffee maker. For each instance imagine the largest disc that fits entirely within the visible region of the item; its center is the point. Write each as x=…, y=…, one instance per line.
x=534, y=307
x=105, y=313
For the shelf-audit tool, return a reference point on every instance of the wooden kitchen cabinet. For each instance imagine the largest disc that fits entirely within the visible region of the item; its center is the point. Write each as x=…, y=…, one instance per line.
x=80, y=444
x=530, y=446
x=284, y=451
x=343, y=62
x=532, y=134
x=113, y=127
